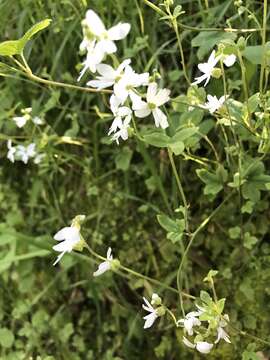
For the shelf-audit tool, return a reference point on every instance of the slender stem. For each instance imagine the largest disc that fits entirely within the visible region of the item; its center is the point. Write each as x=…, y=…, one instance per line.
x=193, y=28
x=193, y=236
x=244, y=333
x=180, y=188
x=135, y=273
x=263, y=45
x=179, y=42
x=245, y=85
x=172, y=316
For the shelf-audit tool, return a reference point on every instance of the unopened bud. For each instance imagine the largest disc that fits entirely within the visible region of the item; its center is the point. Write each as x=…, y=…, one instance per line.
x=216, y=73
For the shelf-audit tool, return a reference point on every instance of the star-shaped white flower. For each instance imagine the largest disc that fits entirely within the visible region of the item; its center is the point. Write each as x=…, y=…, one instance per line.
x=152, y=316
x=121, y=113
x=69, y=237
x=98, y=41
x=20, y=121
x=202, y=346
x=214, y=103
x=105, y=265
x=11, y=151
x=190, y=320
x=108, y=75
x=128, y=82
x=105, y=38
x=24, y=153
x=154, y=99
x=207, y=69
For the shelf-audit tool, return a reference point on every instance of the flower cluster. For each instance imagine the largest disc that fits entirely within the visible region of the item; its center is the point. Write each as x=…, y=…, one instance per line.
x=127, y=98
x=193, y=324
x=23, y=153
x=209, y=70
x=26, y=116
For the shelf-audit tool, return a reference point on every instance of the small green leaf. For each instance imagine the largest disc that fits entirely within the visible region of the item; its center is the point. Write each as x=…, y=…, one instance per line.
x=157, y=139
x=123, y=159
x=205, y=297
x=210, y=275
x=167, y=223
x=6, y=338
x=15, y=47
x=9, y=48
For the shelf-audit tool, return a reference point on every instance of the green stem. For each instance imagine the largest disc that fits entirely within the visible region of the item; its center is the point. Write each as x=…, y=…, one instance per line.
x=245, y=85
x=263, y=45
x=193, y=28
x=136, y=274
x=193, y=236
x=180, y=188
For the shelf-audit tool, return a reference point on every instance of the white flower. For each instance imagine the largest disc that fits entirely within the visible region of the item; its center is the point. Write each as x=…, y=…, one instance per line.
x=105, y=38
x=229, y=60
x=108, y=75
x=24, y=153
x=11, y=151
x=202, y=346
x=221, y=333
x=154, y=99
x=189, y=321
x=70, y=237
x=152, y=316
x=214, y=103
x=93, y=59
x=120, y=112
x=98, y=41
x=37, y=120
x=122, y=133
x=105, y=265
x=207, y=69
x=128, y=82
x=20, y=121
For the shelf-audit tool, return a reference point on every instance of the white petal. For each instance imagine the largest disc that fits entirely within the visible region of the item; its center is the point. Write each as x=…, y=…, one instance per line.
x=99, y=84
x=123, y=65
x=106, y=46
x=119, y=31
x=200, y=79
x=151, y=92
x=149, y=320
x=204, y=347
x=121, y=91
x=229, y=60
x=20, y=121
x=65, y=245
x=160, y=118
x=162, y=97
x=109, y=254
x=102, y=268
x=94, y=23
x=106, y=71
x=59, y=257
x=67, y=233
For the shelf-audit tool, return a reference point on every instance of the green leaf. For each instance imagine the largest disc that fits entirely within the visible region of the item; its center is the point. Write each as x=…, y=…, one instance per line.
x=123, y=159
x=249, y=241
x=35, y=29
x=6, y=338
x=15, y=47
x=213, y=182
x=167, y=223
x=205, y=297
x=157, y=138
x=254, y=54
x=10, y=48
x=177, y=148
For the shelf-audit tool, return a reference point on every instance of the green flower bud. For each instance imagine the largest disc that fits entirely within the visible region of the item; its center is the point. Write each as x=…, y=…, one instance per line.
x=241, y=43
x=216, y=73
x=77, y=221
x=161, y=310
x=115, y=264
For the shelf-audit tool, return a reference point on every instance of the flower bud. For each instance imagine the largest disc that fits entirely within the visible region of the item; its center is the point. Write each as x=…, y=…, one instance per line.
x=216, y=73
x=161, y=310
x=241, y=43
x=156, y=300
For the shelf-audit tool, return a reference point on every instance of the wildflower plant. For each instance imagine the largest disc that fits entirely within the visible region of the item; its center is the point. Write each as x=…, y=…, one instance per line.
x=198, y=133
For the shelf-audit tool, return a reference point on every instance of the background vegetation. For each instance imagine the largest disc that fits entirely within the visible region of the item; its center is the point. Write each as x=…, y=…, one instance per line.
x=63, y=313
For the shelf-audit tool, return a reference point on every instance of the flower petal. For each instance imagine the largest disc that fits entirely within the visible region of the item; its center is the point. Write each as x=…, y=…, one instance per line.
x=160, y=118
x=119, y=31
x=94, y=23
